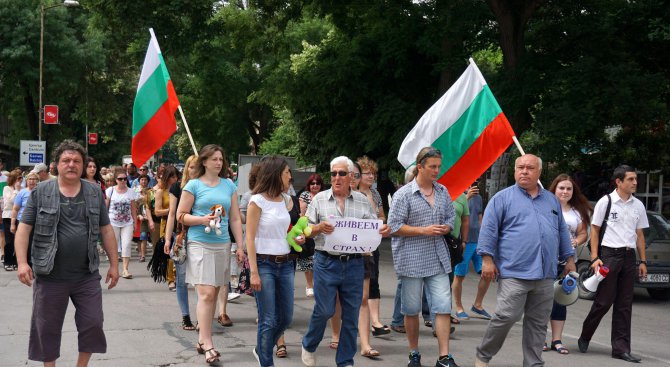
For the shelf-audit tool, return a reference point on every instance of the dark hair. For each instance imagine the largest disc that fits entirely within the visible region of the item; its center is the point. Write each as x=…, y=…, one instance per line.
x=578, y=200
x=169, y=171
x=96, y=176
x=66, y=145
x=620, y=172
x=269, y=178
x=206, y=152
x=313, y=177
x=253, y=174
x=141, y=177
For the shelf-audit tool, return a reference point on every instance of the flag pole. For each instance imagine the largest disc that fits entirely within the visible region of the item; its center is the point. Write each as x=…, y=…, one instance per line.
x=516, y=142
x=188, y=131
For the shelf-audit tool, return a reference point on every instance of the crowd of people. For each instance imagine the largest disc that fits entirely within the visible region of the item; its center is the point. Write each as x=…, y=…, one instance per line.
x=43, y=240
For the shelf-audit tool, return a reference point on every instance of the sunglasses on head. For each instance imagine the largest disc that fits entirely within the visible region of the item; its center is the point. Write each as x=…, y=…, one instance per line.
x=432, y=152
x=339, y=173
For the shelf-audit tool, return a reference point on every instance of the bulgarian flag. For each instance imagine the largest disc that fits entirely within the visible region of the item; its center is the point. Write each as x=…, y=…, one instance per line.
x=155, y=105
x=467, y=126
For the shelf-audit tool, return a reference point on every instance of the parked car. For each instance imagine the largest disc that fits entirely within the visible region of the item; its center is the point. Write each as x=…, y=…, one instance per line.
x=657, y=281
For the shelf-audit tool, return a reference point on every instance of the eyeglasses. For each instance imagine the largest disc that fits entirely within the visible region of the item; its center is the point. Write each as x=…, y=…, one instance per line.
x=121, y=178
x=357, y=175
x=315, y=183
x=432, y=152
x=143, y=169
x=339, y=173
x=367, y=174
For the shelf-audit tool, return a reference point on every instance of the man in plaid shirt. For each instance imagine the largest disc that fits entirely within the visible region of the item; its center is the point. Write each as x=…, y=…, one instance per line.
x=421, y=214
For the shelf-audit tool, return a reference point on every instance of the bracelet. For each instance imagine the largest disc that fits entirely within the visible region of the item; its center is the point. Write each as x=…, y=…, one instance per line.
x=643, y=262
x=594, y=260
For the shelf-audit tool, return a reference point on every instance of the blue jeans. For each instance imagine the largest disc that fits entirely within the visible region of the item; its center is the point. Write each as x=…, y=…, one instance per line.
x=333, y=277
x=398, y=319
x=182, y=289
x=275, y=306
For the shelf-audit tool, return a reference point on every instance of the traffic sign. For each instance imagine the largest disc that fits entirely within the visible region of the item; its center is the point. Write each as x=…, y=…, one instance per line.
x=32, y=152
x=92, y=138
x=50, y=114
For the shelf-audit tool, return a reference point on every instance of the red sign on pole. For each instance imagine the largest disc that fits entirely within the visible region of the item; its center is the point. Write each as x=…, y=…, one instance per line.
x=50, y=114
x=92, y=138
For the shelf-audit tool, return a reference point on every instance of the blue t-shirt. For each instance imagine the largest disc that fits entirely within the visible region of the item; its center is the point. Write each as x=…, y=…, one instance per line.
x=475, y=205
x=21, y=199
x=206, y=197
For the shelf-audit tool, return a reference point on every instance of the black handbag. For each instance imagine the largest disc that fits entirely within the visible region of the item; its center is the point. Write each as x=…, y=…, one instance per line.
x=455, y=246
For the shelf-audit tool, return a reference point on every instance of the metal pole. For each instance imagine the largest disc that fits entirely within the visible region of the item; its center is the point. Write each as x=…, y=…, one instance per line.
x=39, y=108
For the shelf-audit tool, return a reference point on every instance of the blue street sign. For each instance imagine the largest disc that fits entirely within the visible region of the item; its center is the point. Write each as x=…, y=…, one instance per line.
x=35, y=157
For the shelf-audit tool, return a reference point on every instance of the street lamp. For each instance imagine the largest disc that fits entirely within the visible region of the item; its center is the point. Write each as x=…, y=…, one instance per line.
x=43, y=9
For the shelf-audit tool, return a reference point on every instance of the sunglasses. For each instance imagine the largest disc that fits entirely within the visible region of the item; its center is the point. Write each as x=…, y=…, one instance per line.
x=339, y=173
x=315, y=183
x=143, y=169
x=432, y=152
x=121, y=178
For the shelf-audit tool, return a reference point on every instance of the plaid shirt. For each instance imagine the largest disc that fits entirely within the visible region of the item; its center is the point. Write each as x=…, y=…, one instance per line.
x=420, y=256
x=324, y=206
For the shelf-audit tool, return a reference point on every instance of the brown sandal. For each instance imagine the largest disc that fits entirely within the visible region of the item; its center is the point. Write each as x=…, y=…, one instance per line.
x=224, y=320
x=371, y=353
x=281, y=351
x=213, y=356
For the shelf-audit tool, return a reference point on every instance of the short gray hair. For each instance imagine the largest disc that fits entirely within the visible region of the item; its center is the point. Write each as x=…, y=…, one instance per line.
x=342, y=160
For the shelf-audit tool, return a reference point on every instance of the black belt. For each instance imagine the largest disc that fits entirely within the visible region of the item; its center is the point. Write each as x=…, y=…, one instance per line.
x=276, y=258
x=343, y=257
x=618, y=250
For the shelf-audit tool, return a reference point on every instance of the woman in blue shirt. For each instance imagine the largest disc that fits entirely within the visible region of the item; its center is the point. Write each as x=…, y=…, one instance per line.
x=208, y=259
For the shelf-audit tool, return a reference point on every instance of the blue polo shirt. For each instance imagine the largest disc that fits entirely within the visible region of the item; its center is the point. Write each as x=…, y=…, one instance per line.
x=525, y=236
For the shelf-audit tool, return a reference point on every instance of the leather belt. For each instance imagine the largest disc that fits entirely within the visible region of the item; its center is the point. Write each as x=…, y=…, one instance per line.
x=343, y=257
x=276, y=258
x=618, y=250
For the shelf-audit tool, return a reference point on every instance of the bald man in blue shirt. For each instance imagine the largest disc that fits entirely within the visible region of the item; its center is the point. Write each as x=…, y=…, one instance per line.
x=522, y=238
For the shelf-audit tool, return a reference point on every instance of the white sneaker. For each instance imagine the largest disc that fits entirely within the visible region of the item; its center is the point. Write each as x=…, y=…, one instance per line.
x=253, y=350
x=309, y=292
x=233, y=296
x=308, y=359
x=480, y=363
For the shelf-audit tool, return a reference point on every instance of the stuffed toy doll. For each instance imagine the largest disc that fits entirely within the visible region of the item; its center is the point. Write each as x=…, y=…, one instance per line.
x=301, y=228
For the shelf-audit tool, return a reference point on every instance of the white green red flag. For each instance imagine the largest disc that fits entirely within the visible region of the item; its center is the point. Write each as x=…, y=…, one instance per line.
x=155, y=105
x=467, y=125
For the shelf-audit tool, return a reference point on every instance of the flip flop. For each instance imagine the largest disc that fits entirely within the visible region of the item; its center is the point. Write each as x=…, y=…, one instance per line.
x=371, y=353
x=281, y=351
x=334, y=345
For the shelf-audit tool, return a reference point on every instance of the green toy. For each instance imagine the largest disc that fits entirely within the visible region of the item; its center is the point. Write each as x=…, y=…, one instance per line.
x=301, y=228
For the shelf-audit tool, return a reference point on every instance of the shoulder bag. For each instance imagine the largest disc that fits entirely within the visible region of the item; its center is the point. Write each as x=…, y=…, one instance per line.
x=178, y=250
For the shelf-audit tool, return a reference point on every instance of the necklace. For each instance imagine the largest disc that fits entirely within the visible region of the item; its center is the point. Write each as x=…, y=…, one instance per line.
x=432, y=191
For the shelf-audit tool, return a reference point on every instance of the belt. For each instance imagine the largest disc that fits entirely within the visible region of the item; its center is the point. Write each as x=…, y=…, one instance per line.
x=276, y=258
x=343, y=257
x=618, y=250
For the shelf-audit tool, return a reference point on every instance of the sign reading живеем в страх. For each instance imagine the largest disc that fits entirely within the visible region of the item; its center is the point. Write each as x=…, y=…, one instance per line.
x=353, y=235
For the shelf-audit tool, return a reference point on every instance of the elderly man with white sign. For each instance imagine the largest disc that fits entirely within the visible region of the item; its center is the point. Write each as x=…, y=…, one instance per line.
x=339, y=272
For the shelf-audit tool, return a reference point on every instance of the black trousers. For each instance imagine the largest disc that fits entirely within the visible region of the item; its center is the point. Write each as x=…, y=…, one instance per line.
x=616, y=289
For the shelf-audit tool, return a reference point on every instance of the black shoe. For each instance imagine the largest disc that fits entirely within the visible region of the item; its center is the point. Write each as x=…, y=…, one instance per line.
x=378, y=331
x=414, y=359
x=447, y=361
x=626, y=357
x=583, y=345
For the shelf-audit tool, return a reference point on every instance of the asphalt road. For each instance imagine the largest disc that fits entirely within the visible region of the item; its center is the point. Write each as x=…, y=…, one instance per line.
x=143, y=328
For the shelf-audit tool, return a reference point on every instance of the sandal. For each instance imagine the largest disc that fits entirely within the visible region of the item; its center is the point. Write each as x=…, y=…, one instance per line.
x=213, y=355
x=334, y=344
x=377, y=331
x=398, y=329
x=9, y=268
x=281, y=351
x=186, y=323
x=201, y=350
x=545, y=348
x=428, y=323
x=455, y=321
x=561, y=349
x=371, y=353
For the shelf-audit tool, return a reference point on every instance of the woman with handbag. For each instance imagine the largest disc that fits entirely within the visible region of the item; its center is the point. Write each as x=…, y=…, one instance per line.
x=120, y=202
x=182, y=288
x=167, y=179
x=272, y=265
x=208, y=252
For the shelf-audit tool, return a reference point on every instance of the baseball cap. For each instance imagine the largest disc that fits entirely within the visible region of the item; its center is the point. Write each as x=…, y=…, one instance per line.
x=39, y=168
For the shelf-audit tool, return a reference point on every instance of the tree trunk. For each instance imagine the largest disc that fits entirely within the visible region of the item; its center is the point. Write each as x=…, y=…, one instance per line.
x=31, y=111
x=512, y=17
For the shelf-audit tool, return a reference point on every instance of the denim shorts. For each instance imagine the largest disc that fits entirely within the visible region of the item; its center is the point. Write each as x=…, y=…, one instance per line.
x=470, y=254
x=437, y=285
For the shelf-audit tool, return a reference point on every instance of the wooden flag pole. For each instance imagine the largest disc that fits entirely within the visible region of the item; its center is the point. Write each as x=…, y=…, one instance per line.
x=188, y=131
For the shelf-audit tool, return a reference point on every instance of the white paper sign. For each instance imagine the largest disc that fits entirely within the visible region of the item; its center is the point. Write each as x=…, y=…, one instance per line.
x=353, y=235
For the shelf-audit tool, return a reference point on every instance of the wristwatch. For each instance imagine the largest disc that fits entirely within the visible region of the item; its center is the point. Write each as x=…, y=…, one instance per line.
x=643, y=262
